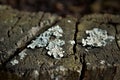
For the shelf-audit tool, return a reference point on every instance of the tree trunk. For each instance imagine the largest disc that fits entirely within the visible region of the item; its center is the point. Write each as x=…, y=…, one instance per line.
x=18, y=29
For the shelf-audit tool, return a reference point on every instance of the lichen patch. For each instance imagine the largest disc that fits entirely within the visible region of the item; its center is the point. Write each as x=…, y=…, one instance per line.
x=14, y=62
x=51, y=41
x=97, y=38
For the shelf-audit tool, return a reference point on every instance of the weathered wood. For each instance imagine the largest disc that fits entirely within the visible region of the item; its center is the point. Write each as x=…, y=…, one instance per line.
x=18, y=29
x=47, y=66
x=110, y=54
x=36, y=61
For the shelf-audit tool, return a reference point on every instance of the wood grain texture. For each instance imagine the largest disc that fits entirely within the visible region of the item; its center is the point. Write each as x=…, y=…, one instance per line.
x=18, y=29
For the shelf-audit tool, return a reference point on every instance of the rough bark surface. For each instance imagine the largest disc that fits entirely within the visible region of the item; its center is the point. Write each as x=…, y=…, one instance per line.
x=92, y=59
x=18, y=29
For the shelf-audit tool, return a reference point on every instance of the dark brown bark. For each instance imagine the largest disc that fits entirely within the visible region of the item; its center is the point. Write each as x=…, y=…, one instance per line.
x=18, y=29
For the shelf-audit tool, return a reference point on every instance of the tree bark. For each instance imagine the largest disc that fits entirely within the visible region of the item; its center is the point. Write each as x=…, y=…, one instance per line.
x=18, y=29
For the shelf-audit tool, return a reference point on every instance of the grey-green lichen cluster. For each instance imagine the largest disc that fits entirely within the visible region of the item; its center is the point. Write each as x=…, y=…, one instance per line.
x=21, y=57
x=97, y=38
x=14, y=62
x=50, y=39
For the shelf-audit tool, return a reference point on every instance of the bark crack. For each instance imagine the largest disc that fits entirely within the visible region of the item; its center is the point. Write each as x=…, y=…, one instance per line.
x=82, y=60
x=82, y=57
x=75, y=38
x=18, y=50
x=116, y=32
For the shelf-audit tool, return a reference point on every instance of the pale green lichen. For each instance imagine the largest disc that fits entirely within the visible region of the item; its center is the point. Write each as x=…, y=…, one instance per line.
x=50, y=39
x=97, y=38
x=14, y=62
x=72, y=42
x=22, y=54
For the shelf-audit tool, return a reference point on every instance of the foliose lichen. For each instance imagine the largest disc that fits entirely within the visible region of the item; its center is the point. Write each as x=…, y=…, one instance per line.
x=50, y=39
x=14, y=62
x=72, y=42
x=22, y=54
x=97, y=38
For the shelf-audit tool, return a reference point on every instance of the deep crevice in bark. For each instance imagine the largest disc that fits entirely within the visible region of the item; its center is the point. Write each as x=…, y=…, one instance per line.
x=75, y=36
x=82, y=60
x=82, y=57
x=116, y=32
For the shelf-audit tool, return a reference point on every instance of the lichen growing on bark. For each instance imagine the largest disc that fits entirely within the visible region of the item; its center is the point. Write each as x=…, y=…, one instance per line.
x=97, y=38
x=14, y=62
x=50, y=39
x=22, y=54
